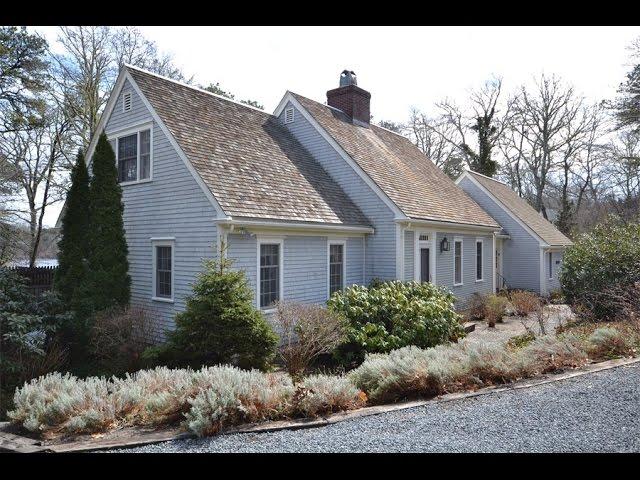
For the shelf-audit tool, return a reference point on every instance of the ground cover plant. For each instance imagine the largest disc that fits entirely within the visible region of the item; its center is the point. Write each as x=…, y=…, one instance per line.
x=213, y=398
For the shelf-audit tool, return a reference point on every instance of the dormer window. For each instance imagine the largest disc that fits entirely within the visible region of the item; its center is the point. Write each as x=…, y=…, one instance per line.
x=126, y=102
x=289, y=115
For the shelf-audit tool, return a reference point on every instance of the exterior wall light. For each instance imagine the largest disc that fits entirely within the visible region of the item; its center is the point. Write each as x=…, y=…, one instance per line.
x=444, y=245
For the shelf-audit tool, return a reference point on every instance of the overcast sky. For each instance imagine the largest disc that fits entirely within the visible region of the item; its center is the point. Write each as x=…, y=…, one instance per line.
x=401, y=66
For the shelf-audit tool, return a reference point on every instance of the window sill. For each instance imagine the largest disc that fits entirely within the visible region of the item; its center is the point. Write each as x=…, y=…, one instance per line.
x=268, y=311
x=135, y=182
x=458, y=284
x=162, y=299
x=480, y=281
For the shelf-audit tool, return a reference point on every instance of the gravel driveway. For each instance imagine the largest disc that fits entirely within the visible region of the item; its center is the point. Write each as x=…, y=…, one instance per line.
x=590, y=413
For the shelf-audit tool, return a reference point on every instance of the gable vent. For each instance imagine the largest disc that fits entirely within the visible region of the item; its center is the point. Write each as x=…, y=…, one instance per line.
x=126, y=102
x=288, y=115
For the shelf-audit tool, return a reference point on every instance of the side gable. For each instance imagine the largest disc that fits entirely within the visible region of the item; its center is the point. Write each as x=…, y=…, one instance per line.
x=417, y=188
x=517, y=208
x=378, y=260
x=290, y=101
x=126, y=84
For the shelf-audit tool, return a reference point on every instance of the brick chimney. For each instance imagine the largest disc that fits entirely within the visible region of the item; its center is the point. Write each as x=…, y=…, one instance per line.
x=351, y=99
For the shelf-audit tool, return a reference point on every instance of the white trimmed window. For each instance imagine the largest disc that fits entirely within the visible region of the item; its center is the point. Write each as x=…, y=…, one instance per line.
x=479, y=265
x=550, y=265
x=163, y=269
x=133, y=155
x=457, y=261
x=336, y=262
x=289, y=115
x=269, y=272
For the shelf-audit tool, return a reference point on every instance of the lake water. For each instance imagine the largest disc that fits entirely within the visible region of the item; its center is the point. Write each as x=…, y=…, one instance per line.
x=40, y=262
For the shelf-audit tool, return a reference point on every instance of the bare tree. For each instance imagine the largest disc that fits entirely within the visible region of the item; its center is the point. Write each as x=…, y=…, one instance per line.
x=432, y=136
x=88, y=67
x=476, y=131
x=548, y=126
x=36, y=157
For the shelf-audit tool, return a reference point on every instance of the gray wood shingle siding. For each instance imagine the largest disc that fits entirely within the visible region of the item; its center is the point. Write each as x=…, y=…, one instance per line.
x=171, y=205
x=305, y=264
x=444, y=262
x=521, y=253
x=380, y=247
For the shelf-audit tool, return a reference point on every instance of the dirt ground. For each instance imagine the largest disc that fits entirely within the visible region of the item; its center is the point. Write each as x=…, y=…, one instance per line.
x=514, y=325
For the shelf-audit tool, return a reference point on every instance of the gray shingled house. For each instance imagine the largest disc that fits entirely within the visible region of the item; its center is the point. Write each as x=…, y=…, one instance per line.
x=308, y=200
x=529, y=251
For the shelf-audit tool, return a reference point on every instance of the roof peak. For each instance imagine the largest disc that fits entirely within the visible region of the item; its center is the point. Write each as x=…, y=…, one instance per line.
x=488, y=178
x=198, y=89
x=338, y=110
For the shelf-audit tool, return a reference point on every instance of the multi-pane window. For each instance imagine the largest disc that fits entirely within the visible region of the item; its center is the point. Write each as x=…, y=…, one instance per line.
x=478, y=259
x=128, y=158
x=336, y=267
x=133, y=153
x=269, y=274
x=163, y=267
x=457, y=262
x=145, y=154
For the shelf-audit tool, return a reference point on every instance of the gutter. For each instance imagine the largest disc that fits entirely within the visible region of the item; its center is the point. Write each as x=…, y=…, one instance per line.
x=448, y=225
x=232, y=224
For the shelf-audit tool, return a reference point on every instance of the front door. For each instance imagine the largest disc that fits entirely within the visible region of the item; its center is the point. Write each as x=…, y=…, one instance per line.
x=424, y=265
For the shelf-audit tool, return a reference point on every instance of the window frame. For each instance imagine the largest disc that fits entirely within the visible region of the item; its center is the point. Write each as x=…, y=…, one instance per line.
x=163, y=242
x=270, y=241
x=481, y=242
x=330, y=242
x=460, y=241
x=118, y=134
x=550, y=265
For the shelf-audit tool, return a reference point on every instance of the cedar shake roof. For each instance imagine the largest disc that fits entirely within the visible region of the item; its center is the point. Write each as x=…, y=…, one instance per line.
x=522, y=210
x=250, y=162
x=414, y=183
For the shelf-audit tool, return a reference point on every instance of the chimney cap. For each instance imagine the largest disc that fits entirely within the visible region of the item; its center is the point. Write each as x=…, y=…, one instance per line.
x=348, y=77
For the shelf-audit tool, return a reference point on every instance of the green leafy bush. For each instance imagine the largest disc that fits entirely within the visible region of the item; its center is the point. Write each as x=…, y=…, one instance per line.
x=598, y=264
x=220, y=324
x=29, y=331
x=391, y=315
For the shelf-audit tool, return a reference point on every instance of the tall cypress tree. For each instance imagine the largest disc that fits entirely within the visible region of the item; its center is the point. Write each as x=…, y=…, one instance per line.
x=108, y=265
x=71, y=274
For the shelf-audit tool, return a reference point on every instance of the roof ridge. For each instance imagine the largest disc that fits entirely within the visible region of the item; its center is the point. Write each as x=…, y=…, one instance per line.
x=338, y=110
x=198, y=89
x=488, y=178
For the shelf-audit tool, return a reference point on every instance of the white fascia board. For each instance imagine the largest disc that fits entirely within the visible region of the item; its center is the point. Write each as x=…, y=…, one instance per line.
x=506, y=210
x=450, y=227
x=288, y=97
x=291, y=226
